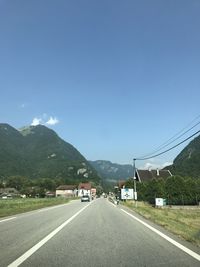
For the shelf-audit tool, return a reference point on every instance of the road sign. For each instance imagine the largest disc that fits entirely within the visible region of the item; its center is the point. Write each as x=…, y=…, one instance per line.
x=160, y=202
x=126, y=193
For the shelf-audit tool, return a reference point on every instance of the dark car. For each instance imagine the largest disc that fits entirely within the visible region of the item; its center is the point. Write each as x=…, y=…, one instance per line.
x=85, y=199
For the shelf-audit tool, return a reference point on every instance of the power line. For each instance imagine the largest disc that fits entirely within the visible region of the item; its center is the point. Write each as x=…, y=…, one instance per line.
x=172, y=140
x=169, y=148
x=168, y=142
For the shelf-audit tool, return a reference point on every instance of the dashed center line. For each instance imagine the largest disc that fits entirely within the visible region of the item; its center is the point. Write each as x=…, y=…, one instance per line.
x=32, y=250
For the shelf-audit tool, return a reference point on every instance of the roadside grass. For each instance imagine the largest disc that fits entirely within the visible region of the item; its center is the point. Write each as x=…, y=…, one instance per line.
x=183, y=222
x=10, y=207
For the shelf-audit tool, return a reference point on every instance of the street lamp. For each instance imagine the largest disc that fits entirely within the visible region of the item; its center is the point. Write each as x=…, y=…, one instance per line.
x=134, y=181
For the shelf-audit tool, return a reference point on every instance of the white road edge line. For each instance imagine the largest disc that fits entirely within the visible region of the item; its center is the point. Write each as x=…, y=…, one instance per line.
x=112, y=204
x=8, y=219
x=32, y=250
x=172, y=241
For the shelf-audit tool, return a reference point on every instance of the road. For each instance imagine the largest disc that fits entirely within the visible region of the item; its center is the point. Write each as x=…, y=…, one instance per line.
x=88, y=234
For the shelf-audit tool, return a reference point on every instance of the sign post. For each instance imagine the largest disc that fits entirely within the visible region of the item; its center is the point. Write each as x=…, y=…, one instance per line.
x=134, y=181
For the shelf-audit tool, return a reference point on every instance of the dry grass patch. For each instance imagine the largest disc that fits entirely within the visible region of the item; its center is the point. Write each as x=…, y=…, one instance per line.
x=183, y=222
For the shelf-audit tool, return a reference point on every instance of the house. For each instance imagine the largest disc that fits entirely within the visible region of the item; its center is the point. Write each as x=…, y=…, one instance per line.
x=121, y=184
x=66, y=191
x=9, y=191
x=50, y=194
x=84, y=189
x=146, y=175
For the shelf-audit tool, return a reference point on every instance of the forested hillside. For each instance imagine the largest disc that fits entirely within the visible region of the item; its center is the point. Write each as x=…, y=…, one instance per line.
x=37, y=151
x=187, y=163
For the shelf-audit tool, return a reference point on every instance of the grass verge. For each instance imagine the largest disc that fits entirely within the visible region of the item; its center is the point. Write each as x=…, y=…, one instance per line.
x=10, y=207
x=183, y=222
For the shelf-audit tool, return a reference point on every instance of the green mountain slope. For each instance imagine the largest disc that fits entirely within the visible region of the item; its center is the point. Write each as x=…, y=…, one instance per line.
x=12, y=149
x=187, y=163
x=111, y=171
x=37, y=151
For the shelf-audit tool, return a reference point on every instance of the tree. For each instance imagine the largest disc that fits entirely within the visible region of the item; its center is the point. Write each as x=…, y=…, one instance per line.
x=154, y=189
x=46, y=184
x=197, y=191
x=175, y=190
x=190, y=191
x=129, y=183
x=141, y=191
x=99, y=189
x=17, y=181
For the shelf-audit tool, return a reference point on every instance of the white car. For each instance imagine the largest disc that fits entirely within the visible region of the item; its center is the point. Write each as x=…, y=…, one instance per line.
x=85, y=198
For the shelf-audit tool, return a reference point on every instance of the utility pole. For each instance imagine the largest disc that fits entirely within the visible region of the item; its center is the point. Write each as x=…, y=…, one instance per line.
x=134, y=181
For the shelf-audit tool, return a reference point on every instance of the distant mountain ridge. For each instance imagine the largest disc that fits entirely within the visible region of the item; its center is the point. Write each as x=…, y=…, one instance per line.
x=112, y=171
x=37, y=151
x=187, y=163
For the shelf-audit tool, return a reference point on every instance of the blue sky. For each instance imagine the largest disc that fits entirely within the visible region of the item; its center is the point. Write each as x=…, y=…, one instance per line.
x=114, y=78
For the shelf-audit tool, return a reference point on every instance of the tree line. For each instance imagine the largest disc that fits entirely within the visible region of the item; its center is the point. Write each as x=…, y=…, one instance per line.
x=38, y=187
x=176, y=190
x=30, y=187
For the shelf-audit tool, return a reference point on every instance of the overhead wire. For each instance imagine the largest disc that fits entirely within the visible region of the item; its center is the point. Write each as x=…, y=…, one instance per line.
x=145, y=158
x=173, y=139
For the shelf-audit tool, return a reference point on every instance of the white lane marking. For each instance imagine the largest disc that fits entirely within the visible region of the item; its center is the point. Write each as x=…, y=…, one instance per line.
x=112, y=204
x=50, y=208
x=8, y=219
x=32, y=250
x=172, y=241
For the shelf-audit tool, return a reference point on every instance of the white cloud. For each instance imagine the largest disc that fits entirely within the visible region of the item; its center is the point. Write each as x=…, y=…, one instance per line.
x=36, y=121
x=154, y=166
x=52, y=121
x=44, y=120
x=167, y=164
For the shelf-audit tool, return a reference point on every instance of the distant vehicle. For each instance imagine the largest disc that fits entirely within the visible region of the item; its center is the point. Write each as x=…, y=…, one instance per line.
x=105, y=196
x=6, y=197
x=85, y=198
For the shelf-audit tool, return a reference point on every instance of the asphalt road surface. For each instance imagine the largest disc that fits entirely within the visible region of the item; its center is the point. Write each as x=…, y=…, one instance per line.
x=90, y=234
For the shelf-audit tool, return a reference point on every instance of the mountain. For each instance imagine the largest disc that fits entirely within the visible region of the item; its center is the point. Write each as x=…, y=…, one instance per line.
x=111, y=171
x=187, y=163
x=11, y=150
x=37, y=151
